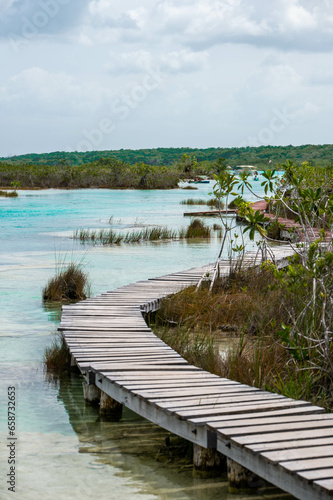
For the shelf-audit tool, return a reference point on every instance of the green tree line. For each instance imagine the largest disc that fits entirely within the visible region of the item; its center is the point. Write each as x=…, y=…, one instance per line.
x=261, y=157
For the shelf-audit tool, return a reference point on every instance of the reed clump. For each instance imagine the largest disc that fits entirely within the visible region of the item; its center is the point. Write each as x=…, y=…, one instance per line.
x=68, y=285
x=110, y=237
x=197, y=229
x=192, y=201
x=212, y=202
x=8, y=194
x=57, y=357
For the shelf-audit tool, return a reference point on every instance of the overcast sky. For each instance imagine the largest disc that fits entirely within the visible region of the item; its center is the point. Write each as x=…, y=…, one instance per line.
x=110, y=74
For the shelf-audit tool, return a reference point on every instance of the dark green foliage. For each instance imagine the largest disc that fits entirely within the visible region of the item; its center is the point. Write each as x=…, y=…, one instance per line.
x=69, y=285
x=104, y=173
x=197, y=229
x=216, y=157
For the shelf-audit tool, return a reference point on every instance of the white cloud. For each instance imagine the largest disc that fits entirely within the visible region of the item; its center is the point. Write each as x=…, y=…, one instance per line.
x=38, y=91
x=183, y=61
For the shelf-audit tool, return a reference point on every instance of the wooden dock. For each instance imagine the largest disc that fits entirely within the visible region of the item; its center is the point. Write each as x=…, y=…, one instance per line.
x=289, y=443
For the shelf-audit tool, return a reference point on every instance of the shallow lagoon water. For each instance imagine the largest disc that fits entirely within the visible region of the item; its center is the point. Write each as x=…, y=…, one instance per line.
x=63, y=450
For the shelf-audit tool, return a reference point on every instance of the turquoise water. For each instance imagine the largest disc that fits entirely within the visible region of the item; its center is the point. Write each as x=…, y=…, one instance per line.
x=63, y=450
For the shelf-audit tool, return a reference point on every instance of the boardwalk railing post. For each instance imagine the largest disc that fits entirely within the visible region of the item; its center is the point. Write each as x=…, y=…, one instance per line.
x=240, y=479
x=110, y=408
x=207, y=462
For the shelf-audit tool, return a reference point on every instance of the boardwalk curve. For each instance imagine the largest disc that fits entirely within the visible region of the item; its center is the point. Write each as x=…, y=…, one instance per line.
x=287, y=442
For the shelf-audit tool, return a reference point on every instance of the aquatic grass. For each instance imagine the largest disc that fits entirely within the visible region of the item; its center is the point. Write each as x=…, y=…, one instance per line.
x=197, y=229
x=9, y=194
x=57, y=357
x=212, y=202
x=192, y=201
x=109, y=237
x=70, y=284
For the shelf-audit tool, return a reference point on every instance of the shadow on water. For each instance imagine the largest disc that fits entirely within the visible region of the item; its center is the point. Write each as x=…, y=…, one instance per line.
x=53, y=310
x=143, y=452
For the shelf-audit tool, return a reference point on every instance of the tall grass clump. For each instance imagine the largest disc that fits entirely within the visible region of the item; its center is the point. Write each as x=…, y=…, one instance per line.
x=68, y=285
x=56, y=358
x=197, y=229
x=214, y=203
x=109, y=237
x=8, y=194
x=192, y=201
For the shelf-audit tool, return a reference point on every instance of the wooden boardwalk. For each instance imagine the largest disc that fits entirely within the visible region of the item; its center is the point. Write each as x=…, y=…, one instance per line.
x=289, y=443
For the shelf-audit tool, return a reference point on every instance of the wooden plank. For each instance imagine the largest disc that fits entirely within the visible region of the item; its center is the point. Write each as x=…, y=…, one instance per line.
x=299, y=453
x=282, y=436
x=312, y=475
x=326, y=484
x=221, y=410
x=213, y=391
x=278, y=427
x=218, y=421
x=290, y=444
x=257, y=421
x=307, y=464
x=218, y=399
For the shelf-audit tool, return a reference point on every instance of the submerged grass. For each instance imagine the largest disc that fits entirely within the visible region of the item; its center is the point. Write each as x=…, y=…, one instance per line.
x=212, y=202
x=68, y=285
x=57, y=357
x=196, y=229
x=192, y=201
x=9, y=194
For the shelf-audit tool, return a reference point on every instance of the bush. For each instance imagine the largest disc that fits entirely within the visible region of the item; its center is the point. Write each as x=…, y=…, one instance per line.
x=69, y=285
x=57, y=357
x=197, y=229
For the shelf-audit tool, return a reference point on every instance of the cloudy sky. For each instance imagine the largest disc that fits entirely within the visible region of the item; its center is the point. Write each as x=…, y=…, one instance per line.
x=110, y=74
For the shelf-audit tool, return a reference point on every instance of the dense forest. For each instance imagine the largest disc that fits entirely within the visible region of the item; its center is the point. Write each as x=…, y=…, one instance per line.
x=261, y=157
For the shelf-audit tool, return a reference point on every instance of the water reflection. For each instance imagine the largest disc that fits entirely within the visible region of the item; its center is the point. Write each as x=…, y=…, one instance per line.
x=136, y=449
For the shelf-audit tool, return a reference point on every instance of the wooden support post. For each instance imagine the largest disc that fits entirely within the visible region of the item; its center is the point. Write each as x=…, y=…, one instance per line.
x=91, y=394
x=241, y=480
x=207, y=463
x=110, y=408
x=74, y=368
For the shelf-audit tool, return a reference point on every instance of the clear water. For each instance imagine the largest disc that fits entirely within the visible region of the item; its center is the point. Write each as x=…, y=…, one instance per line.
x=64, y=451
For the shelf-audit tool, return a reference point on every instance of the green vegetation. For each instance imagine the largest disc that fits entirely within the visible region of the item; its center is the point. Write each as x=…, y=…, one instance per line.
x=160, y=168
x=197, y=229
x=109, y=237
x=57, y=358
x=192, y=201
x=104, y=173
x=257, y=156
x=283, y=317
x=70, y=284
x=212, y=202
x=250, y=305
x=8, y=194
